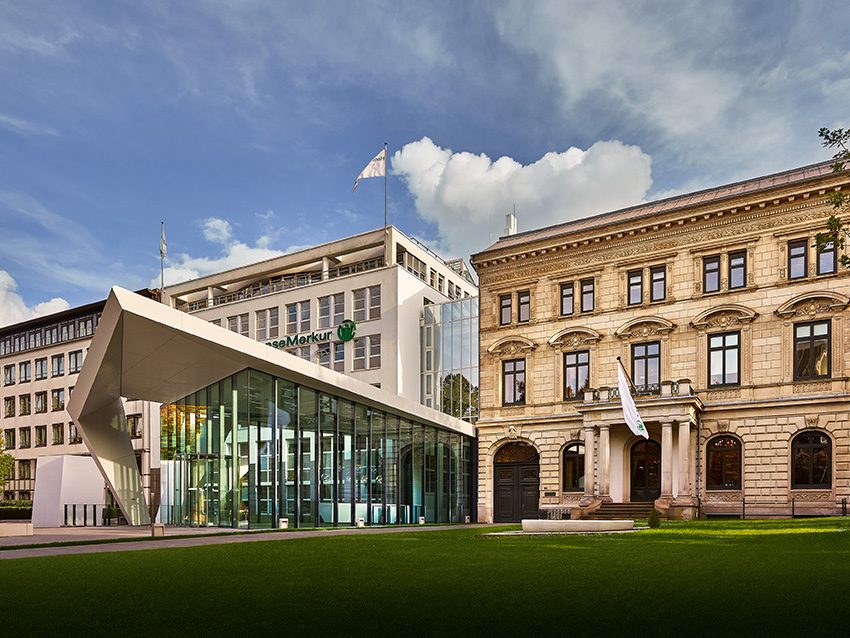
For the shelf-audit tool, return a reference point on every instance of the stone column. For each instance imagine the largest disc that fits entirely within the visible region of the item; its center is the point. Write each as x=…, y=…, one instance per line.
x=588, y=463
x=667, y=460
x=685, y=492
x=604, y=462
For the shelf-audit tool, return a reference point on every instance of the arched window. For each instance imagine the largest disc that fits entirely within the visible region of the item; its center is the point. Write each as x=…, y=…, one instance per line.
x=516, y=453
x=811, y=461
x=724, y=463
x=574, y=467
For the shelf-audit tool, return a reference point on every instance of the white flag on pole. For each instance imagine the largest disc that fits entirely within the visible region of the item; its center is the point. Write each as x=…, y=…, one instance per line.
x=630, y=413
x=162, y=245
x=376, y=168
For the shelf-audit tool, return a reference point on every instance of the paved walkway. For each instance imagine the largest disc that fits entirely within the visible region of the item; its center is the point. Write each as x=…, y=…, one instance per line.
x=196, y=540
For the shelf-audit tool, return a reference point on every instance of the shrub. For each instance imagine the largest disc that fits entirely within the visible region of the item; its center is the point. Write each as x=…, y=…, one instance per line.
x=654, y=519
x=24, y=504
x=15, y=513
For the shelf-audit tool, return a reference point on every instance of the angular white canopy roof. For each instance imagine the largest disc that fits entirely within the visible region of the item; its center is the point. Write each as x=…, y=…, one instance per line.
x=145, y=350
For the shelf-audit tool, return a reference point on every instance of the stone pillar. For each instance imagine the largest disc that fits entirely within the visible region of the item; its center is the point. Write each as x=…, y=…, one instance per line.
x=666, y=460
x=589, y=437
x=685, y=455
x=604, y=463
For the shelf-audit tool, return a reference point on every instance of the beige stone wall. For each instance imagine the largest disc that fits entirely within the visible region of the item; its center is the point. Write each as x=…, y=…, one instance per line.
x=768, y=407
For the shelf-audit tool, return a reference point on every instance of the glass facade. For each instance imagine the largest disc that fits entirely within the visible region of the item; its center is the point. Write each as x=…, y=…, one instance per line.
x=449, y=358
x=254, y=448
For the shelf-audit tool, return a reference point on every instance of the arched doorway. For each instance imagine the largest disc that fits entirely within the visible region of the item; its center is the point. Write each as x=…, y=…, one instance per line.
x=516, y=483
x=646, y=471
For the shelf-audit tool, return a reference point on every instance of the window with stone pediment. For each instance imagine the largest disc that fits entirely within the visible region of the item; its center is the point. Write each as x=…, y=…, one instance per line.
x=509, y=346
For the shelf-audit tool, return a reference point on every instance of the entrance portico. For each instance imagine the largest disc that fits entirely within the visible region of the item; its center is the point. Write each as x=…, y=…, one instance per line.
x=633, y=469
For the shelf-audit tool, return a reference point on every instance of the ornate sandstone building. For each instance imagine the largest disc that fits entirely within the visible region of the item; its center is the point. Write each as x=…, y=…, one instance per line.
x=731, y=324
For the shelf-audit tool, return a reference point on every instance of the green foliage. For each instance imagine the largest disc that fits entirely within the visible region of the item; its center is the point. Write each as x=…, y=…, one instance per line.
x=7, y=465
x=654, y=519
x=459, y=396
x=16, y=503
x=836, y=231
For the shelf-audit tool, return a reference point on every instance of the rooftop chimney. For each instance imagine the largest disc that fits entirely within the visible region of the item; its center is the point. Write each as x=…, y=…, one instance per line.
x=510, y=224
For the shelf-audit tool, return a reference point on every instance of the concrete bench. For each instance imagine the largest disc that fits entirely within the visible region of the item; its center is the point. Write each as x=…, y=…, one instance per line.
x=535, y=525
x=20, y=528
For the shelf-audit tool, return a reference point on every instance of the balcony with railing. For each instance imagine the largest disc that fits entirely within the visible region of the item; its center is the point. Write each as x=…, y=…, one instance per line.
x=284, y=282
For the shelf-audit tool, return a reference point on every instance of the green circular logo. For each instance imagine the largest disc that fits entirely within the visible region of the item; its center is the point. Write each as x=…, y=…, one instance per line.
x=346, y=330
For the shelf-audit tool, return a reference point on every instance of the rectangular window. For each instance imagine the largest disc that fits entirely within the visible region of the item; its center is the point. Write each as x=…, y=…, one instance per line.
x=374, y=352
x=216, y=322
x=40, y=369
x=646, y=367
x=25, y=370
x=711, y=274
x=40, y=402
x=812, y=350
x=360, y=353
x=797, y=258
x=57, y=365
x=576, y=374
x=9, y=374
x=451, y=294
x=359, y=297
x=9, y=439
x=58, y=433
x=75, y=361
x=41, y=436
x=826, y=258
x=505, y=310
x=238, y=324
x=24, y=438
x=567, y=305
x=262, y=332
x=635, y=278
x=304, y=325
x=57, y=399
x=324, y=312
x=724, y=359
x=587, y=301
x=25, y=466
x=432, y=277
x=9, y=406
x=738, y=269
x=339, y=356
x=24, y=406
x=292, y=318
x=658, y=283
x=513, y=382
x=339, y=308
x=374, y=302
x=74, y=435
x=134, y=425
x=523, y=299
x=324, y=355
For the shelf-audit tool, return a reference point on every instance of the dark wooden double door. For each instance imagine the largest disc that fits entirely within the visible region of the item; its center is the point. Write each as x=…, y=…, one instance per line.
x=646, y=471
x=517, y=492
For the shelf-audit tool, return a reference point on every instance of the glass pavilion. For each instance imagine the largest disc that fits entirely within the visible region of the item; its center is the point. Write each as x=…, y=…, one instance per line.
x=255, y=448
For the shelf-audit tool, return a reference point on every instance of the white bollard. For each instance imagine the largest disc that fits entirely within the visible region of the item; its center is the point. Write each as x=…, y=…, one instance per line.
x=421, y=520
x=361, y=522
x=283, y=523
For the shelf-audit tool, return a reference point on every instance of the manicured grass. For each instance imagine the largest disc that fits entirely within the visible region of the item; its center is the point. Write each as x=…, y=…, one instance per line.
x=703, y=578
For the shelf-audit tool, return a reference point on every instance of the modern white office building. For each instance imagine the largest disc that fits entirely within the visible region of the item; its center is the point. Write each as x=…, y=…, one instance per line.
x=380, y=280
x=41, y=360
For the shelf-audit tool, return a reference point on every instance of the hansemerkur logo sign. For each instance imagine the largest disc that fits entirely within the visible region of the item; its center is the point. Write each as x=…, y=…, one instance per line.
x=344, y=332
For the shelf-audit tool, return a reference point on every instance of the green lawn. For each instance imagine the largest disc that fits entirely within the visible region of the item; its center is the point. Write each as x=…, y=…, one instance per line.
x=702, y=578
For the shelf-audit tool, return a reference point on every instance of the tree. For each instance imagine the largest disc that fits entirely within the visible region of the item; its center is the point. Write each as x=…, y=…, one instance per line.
x=7, y=463
x=836, y=232
x=459, y=397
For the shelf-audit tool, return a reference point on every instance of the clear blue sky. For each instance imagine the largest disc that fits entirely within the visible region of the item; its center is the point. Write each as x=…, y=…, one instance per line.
x=244, y=124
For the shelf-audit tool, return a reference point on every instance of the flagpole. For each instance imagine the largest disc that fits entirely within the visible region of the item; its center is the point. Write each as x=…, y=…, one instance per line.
x=631, y=383
x=386, y=162
x=161, y=263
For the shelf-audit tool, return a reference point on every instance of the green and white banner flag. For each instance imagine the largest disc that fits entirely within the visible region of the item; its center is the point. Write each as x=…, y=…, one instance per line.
x=630, y=413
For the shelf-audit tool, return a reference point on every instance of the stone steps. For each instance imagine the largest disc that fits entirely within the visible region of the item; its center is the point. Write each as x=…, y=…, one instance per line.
x=612, y=511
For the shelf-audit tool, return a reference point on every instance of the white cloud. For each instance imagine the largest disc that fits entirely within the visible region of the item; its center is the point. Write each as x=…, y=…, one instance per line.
x=467, y=195
x=232, y=254
x=24, y=127
x=14, y=309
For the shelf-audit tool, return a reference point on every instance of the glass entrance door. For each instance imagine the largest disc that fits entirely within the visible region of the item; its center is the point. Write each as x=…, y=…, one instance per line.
x=646, y=471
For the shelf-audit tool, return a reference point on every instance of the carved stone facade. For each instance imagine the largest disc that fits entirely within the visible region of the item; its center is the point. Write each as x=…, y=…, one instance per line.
x=762, y=408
